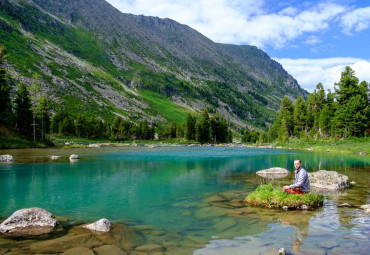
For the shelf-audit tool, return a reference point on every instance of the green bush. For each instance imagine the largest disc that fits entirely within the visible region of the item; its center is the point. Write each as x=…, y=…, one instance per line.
x=267, y=196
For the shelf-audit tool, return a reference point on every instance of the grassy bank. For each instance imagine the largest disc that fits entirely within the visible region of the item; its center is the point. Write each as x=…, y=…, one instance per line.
x=346, y=145
x=15, y=142
x=267, y=196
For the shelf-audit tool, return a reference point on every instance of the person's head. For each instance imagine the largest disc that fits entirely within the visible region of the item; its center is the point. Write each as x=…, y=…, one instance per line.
x=297, y=164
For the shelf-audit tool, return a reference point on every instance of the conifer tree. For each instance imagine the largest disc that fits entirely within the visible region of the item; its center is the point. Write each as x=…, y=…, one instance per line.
x=299, y=116
x=23, y=111
x=353, y=104
x=5, y=102
x=190, y=127
x=286, y=115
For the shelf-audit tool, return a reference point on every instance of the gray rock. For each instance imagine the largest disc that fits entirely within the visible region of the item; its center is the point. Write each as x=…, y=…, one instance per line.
x=74, y=156
x=273, y=173
x=54, y=157
x=102, y=225
x=304, y=207
x=285, y=208
x=366, y=208
x=345, y=205
x=362, y=153
x=328, y=180
x=282, y=251
x=6, y=158
x=28, y=222
x=94, y=145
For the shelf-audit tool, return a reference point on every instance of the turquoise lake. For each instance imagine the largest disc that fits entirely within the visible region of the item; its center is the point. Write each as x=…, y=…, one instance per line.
x=172, y=189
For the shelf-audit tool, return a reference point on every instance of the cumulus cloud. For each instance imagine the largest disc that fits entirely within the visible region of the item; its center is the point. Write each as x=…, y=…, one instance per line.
x=358, y=19
x=309, y=72
x=239, y=21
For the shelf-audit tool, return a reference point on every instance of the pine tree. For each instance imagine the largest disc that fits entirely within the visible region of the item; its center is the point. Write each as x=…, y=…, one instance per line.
x=5, y=102
x=246, y=136
x=353, y=105
x=286, y=115
x=23, y=111
x=299, y=116
x=190, y=127
x=43, y=117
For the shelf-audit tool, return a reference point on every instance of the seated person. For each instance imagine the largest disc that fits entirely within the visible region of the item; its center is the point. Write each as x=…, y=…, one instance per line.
x=302, y=183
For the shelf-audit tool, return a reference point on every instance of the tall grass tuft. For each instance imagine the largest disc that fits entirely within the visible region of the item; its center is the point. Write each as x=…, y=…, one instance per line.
x=266, y=195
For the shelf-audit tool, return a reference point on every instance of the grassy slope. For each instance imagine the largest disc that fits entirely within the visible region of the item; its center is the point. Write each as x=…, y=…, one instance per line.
x=161, y=105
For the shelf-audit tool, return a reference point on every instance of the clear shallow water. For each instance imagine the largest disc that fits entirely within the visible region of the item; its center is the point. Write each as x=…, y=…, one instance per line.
x=168, y=188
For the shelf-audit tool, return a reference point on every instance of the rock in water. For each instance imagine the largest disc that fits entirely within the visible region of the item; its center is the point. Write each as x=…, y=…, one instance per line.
x=73, y=156
x=366, y=208
x=28, y=222
x=273, y=173
x=6, y=158
x=328, y=180
x=282, y=251
x=102, y=225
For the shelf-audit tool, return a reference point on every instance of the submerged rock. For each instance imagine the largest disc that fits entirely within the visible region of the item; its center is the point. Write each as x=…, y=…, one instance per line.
x=328, y=180
x=80, y=250
x=102, y=225
x=74, y=156
x=366, y=208
x=108, y=249
x=6, y=158
x=273, y=173
x=28, y=222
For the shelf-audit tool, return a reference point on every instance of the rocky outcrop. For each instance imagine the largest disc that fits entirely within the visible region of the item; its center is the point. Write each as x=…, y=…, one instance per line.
x=74, y=156
x=328, y=180
x=273, y=173
x=28, y=222
x=6, y=158
x=102, y=225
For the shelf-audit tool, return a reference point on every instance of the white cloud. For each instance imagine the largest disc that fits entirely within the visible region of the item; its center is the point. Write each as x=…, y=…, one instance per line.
x=309, y=72
x=358, y=19
x=238, y=21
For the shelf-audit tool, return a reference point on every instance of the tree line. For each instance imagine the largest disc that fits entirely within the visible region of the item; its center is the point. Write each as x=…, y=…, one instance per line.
x=205, y=130
x=342, y=113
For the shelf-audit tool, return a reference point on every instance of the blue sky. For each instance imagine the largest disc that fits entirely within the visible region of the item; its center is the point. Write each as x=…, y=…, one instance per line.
x=313, y=40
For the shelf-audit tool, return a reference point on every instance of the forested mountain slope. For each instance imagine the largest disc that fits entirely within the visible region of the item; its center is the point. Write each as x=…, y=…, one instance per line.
x=94, y=59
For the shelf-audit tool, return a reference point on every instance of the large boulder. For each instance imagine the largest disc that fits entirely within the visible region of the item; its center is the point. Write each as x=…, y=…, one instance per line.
x=328, y=180
x=273, y=173
x=102, y=225
x=28, y=222
x=6, y=158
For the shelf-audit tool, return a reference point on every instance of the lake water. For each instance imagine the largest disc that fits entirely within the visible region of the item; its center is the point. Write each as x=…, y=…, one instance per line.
x=188, y=196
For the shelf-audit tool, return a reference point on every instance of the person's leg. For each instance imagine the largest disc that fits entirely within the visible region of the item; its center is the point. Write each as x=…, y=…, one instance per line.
x=294, y=191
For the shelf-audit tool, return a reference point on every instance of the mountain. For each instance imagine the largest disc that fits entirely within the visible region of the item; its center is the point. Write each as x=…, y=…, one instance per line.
x=92, y=58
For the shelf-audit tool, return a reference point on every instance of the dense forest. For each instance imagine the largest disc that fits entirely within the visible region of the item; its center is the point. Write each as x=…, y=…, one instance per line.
x=339, y=114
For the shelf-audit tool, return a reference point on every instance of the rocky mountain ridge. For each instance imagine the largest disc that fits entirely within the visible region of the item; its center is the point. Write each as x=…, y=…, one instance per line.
x=94, y=59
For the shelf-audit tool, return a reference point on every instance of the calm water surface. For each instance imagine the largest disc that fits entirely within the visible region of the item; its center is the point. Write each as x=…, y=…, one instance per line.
x=175, y=191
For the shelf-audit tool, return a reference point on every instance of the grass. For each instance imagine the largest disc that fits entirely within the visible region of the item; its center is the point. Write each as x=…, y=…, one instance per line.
x=165, y=107
x=346, y=145
x=267, y=196
x=16, y=142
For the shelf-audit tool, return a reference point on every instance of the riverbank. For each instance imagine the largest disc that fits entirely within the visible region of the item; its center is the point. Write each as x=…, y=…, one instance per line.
x=357, y=145
x=350, y=145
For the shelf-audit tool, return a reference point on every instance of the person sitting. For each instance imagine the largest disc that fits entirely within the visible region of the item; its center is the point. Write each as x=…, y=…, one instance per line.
x=302, y=183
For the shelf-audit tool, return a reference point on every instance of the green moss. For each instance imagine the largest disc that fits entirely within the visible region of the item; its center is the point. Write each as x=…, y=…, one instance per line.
x=267, y=196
